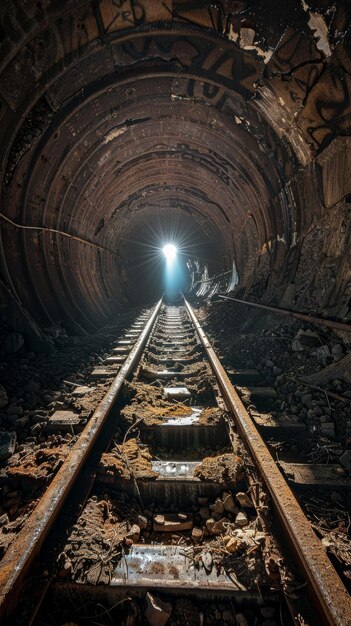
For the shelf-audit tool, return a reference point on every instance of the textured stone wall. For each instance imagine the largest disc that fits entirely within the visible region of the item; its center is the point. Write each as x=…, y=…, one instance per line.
x=227, y=123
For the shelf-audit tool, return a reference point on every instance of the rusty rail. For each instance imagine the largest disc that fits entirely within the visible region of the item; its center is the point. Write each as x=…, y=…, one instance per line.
x=25, y=547
x=326, y=589
x=296, y=314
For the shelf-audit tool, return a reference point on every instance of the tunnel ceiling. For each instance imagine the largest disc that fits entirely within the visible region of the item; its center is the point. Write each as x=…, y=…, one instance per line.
x=118, y=114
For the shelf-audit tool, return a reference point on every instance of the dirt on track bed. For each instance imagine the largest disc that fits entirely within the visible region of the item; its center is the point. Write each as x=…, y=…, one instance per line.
x=147, y=403
x=128, y=460
x=94, y=545
x=35, y=468
x=227, y=469
x=194, y=369
x=150, y=404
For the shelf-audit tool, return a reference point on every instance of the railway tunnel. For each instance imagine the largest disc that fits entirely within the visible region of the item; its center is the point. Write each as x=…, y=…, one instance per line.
x=220, y=128
x=221, y=125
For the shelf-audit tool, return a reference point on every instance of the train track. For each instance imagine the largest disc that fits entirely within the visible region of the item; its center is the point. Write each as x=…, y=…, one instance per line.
x=170, y=495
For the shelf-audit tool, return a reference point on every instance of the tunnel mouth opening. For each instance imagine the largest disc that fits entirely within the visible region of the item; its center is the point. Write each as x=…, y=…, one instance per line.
x=163, y=253
x=170, y=252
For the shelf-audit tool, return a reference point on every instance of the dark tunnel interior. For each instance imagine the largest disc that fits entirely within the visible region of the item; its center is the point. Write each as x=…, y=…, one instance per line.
x=167, y=459
x=223, y=126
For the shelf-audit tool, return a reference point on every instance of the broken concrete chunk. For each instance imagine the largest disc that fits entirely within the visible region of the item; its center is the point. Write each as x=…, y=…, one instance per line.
x=157, y=612
x=64, y=421
x=101, y=373
x=218, y=506
x=322, y=354
x=233, y=545
x=142, y=521
x=134, y=533
x=244, y=500
x=337, y=350
x=4, y=519
x=247, y=36
x=82, y=390
x=207, y=560
x=229, y=503
x=304, y=339
x=177, y=393
x=196, y=534
x=171, y=523
x=345, y=460
x=217, y=527
x=7, y=445
x=241, y=519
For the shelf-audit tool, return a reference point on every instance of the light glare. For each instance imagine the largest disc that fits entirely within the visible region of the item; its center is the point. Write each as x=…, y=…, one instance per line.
x=170, y=251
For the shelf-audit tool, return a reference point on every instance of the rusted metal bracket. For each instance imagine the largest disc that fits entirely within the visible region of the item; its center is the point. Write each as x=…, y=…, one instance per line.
x=326, y=589
x=296, y=314
x=25, y=547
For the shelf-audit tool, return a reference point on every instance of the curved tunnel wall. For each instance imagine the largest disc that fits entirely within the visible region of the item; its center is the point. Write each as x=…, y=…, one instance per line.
x=217, y=121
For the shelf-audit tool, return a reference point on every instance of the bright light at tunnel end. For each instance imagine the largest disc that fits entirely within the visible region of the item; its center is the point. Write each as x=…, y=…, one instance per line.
x=170, y=251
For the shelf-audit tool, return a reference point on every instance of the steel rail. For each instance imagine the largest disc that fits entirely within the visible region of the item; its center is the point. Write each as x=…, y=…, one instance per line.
x=327, y=591
x=25, y=547
x=296, y=314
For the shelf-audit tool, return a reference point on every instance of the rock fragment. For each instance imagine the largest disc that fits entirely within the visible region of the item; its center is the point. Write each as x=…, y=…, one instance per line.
x=196, y=534
x=241, y=519
x=157, y=612
x=229, y=503
x=7, y=445
x=345, y=460
x=244, y=500
x=134, y=533
x=207, y=560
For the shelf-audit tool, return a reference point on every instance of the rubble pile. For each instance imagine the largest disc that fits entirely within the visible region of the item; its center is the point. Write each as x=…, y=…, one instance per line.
x=128, y=460
x=46, y=399
x=307, y=366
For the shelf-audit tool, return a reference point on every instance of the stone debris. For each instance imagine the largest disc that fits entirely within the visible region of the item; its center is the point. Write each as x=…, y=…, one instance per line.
x=207, y=561
x=134, y=533
x=171, y=523
x=7, y=445
x=304, y=339
x=157, y=612
x=34, y=387
x=229, y=503
x=197, y=534
x=128, y=460
x=82, y=390
x=244, y=500
x=142, y=522
x=232, y=544
x=64, y=422
x=322, y=354
x=225, y=468
x=37, y=467
x=218, y=506
x=345, y=460
x=241, y=519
